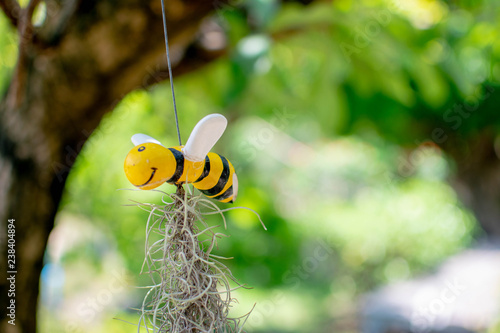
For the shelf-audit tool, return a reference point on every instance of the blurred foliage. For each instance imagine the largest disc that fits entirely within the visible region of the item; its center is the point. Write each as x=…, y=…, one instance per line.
x=8, y=54
x=323, y=102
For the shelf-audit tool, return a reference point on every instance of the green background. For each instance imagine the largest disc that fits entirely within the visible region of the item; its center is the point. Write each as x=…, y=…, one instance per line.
x=332, y=109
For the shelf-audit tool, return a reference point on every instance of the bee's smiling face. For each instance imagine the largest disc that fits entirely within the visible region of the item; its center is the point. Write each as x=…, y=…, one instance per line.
x=146, y=165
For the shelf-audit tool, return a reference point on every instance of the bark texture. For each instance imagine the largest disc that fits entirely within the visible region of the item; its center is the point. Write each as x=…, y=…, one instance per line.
x=71, y=70
x=477, y=179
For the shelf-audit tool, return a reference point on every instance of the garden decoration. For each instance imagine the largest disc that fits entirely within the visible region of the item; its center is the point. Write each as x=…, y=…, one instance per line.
x=149, y=164
x=191, y=289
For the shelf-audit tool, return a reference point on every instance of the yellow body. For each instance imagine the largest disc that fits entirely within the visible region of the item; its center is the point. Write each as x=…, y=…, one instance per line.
x=191, y=170
x=211, y=181
x=149, y=165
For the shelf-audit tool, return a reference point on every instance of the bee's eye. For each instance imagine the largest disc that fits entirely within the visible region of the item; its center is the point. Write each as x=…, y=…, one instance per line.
x=141, y=148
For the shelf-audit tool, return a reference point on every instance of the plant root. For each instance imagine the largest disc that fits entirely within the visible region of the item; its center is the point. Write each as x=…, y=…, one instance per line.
x=191, y=289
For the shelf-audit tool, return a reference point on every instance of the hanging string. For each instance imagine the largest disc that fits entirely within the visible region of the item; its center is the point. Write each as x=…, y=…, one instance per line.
x=170, y=71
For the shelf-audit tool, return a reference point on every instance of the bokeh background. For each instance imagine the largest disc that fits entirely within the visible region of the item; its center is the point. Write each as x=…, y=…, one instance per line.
x=351, y=126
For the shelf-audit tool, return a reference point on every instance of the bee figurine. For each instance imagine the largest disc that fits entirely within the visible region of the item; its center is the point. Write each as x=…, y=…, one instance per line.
x=149, y=164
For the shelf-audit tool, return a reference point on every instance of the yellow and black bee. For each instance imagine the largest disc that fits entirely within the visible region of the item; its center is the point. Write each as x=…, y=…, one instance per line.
x=149, y=164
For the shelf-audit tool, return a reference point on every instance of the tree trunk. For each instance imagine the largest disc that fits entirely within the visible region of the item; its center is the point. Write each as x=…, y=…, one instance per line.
x=477, y=180
x=71, y=71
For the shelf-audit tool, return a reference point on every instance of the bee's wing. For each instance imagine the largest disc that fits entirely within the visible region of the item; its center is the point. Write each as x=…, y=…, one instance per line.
x=235, y=187
x=139, y=138
x=204, y=136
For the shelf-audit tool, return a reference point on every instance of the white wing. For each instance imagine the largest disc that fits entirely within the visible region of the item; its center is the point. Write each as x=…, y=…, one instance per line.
x=235, y=187
x=204, y=136
x=138, y=139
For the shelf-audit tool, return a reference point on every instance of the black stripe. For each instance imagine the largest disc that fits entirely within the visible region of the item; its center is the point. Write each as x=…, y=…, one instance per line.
x=222, y=179
x=225, y=195
x=179, y=159
x=206, y=170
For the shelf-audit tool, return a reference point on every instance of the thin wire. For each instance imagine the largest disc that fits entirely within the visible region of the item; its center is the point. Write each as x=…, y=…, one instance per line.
x=170, y=71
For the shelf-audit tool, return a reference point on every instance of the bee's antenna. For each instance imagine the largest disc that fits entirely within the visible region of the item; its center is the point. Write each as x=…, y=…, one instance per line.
x=170, y=71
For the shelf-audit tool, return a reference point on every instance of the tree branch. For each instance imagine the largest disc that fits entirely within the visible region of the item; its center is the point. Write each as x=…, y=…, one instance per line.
x=59, y=27
x=198, y=55
x=193, y=59
x=25, y=28
x=31, y=9
x=12, y=10
x=25, y=24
